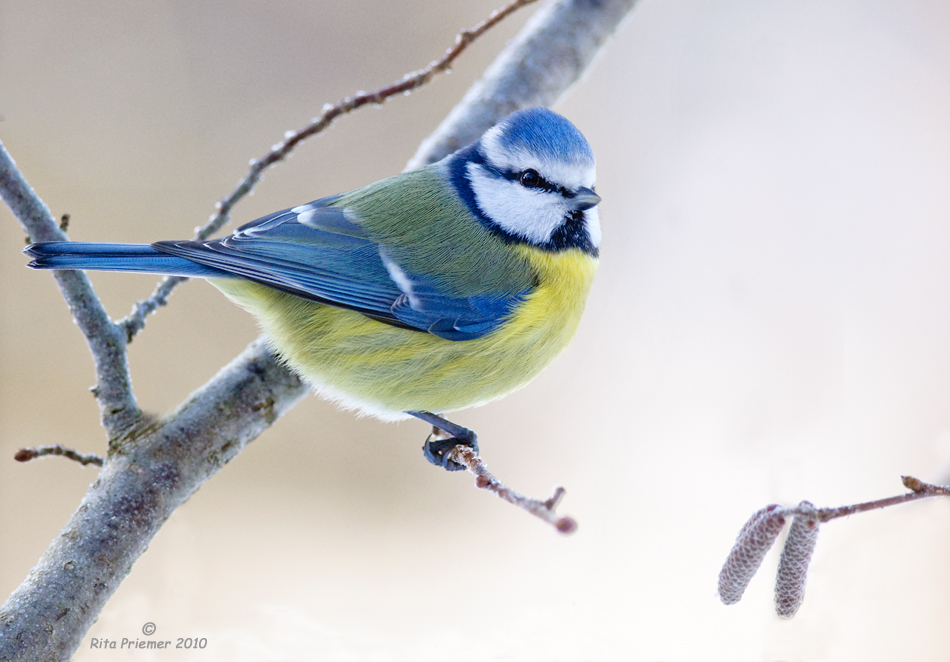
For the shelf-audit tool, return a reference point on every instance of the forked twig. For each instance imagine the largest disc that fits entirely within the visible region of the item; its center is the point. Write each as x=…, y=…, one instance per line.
x=135, y=321
x=467, y=457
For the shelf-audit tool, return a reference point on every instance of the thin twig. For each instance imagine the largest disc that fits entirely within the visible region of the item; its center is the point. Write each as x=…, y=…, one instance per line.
x=919, y=490
x=467, y=457
x=135, y=321
x=27, y=454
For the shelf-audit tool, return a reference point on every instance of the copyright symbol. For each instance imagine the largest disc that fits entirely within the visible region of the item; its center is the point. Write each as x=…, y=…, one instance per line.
x=148, y=629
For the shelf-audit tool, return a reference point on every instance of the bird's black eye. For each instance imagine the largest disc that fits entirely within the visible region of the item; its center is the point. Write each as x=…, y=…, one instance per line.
x=531, y=179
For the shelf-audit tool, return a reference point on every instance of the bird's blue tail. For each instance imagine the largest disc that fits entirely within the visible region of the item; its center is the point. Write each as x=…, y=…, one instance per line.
x=140, y=258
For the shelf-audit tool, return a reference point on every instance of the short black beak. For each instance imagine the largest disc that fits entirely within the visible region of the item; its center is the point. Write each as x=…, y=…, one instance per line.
x=585, y=198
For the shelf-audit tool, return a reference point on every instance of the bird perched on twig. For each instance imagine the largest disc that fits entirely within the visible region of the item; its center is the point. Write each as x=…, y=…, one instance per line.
x=434, y=290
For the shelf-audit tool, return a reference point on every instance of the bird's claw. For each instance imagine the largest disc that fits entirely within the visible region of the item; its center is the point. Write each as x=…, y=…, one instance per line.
x=437, y=450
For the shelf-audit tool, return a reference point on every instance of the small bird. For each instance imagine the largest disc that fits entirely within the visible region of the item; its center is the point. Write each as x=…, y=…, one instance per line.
x=427, y=292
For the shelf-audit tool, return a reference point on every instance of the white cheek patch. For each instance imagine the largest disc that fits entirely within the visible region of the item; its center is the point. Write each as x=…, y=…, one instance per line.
x=568, y=174
x=533, y=214
x=592, y=221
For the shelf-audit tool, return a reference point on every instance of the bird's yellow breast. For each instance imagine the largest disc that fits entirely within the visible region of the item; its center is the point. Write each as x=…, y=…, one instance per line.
x=386, y=370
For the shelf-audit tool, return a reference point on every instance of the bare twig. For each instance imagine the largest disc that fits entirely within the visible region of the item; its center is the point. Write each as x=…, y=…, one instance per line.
x=135, y=321
x=27, y=454
x=760, y=532
x=919, y=490
x=468, y=458
x=117, y=407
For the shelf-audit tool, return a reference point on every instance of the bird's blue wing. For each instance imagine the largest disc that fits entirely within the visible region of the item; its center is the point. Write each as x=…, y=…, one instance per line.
x=322, y=253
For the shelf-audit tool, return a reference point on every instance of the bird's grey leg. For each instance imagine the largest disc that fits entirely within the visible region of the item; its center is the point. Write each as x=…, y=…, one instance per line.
x=436, y=450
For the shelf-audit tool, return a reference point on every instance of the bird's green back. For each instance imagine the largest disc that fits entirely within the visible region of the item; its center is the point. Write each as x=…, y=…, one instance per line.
x=427, y=229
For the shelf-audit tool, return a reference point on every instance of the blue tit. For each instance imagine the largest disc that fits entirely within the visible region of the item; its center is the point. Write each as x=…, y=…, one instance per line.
x=434, y=290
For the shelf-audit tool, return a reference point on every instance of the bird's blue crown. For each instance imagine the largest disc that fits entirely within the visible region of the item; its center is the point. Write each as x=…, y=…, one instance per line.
x=546, y=134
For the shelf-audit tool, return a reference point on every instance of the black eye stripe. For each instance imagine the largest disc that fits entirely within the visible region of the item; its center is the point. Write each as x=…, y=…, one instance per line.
x=534, y=180
x=478, y=157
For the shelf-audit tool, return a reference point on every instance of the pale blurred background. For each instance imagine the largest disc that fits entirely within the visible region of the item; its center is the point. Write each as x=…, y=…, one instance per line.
x=771, y=322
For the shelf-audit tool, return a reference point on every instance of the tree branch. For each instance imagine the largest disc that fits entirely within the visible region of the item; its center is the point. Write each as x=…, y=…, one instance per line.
x=145, y=479
x=118, y=410
x=155, y=466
